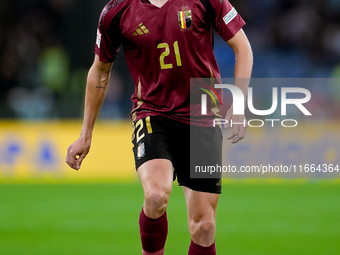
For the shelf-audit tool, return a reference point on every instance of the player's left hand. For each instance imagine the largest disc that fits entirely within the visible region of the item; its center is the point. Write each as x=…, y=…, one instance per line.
x=239, y=129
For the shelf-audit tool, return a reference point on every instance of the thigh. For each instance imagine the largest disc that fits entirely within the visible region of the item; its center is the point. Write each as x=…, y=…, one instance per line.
x=156, y=176
x=153, y=155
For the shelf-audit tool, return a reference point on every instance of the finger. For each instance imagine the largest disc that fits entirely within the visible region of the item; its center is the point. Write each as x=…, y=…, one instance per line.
x=71, y=159
x=237, y=139
x=234, y=133
x=73, y=163
x=231, y=136
x=80, y=160
x=240, y=135
x=241, y=132
x=68, y=157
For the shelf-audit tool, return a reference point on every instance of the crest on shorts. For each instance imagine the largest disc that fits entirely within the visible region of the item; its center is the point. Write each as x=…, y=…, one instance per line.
x=141, y=150
x=184, y=18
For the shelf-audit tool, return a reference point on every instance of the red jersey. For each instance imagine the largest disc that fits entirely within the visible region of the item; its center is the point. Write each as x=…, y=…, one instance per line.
x=165, y=47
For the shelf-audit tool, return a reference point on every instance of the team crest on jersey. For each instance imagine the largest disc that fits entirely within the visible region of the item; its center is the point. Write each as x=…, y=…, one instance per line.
x=184, y=18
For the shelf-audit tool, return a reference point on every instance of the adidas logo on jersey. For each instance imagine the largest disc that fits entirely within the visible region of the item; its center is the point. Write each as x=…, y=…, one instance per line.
x=141, y=30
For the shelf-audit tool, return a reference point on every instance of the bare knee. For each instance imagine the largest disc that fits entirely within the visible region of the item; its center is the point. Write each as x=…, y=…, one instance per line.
x=156, y=176
x=155, y=202
x=203, y=231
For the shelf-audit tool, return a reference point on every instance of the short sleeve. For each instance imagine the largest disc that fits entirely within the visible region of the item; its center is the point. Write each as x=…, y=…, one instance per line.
x=226, y=20
x=108, y=37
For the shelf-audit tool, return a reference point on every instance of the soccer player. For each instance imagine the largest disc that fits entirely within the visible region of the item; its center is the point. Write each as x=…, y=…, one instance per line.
x=167, y=42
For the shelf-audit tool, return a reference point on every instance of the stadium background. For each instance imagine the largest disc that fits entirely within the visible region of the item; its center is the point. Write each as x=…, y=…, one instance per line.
x=46, y=48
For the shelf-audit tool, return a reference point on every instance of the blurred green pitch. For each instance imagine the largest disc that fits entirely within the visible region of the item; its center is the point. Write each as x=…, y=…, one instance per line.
x=83, y=219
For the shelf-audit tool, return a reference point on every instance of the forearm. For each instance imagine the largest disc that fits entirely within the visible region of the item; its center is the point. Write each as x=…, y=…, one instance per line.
x=95, y=93
x=243, y=67
x=243, y=60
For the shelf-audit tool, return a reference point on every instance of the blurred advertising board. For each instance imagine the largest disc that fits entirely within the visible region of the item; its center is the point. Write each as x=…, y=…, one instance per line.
x=37, y=151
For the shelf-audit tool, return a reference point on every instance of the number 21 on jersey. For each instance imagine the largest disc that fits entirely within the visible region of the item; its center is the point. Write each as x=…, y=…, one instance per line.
x=167, y=53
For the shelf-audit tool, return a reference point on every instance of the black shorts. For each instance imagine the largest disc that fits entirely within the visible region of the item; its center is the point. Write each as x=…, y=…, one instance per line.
x=162, y=137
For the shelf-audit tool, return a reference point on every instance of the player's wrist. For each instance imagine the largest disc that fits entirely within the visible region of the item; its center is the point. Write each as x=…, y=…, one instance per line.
x=86, y=137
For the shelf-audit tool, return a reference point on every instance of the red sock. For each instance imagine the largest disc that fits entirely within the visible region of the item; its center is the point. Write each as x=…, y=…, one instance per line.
x=153, y=232
x=195, y=249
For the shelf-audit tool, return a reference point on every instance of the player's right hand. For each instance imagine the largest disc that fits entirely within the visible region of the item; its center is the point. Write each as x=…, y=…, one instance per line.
x=76, y=152
x=239, y=130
